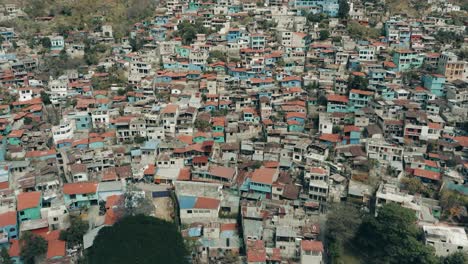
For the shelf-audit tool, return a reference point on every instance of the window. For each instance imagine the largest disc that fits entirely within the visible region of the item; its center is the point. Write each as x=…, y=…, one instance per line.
x=55, y=219
x=22, y=213
x=189, y=211
x=12, y=229
x=72, y=196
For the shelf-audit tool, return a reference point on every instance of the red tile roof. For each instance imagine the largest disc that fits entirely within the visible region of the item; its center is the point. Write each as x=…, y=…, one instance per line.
x=223, y=172
x=184, y=174
x=207, y=203
x=16, y=133
x=335, y=138
x=351, y=128
x=55, y=248
x=38, y=153
x=4, y=185
x=170, y=109
x=356, y=91
x=337, y=98
x=151, y=170
x=28, y=200
x=427, y=174
x=14, y=250
x=8, y=218
x=264, y=175
x=80, y=188
x=310, y=245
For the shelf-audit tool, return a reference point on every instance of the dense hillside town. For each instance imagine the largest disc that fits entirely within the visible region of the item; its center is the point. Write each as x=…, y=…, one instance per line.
x=263, y=131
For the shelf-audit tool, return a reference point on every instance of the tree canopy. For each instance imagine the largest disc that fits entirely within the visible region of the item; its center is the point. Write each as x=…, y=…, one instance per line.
x=343, y=9
x=139, y=239
x=342, y=223
x=392, y=237
x=74, y=234
x=32, y=246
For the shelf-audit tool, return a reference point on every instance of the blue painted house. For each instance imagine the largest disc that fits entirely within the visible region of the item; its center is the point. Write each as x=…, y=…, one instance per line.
x=291, y=81
x=8, y=226
x=352, y=135
x=262, y=180
x=435, y=83
x=80, y=194
x=82, y=120
x=359, y=99
x=337, y=104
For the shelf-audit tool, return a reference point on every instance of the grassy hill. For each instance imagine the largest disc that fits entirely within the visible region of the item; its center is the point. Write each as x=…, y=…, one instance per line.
x=89, y=14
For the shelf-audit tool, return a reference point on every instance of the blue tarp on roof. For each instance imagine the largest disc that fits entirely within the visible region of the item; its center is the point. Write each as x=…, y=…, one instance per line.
x=135, y=152
x=150, y=145
x=187, y=202
x=227, y=234
x=194, y=232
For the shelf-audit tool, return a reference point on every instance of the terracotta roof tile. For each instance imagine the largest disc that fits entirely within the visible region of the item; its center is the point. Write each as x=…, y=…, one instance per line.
x=28, y=200
x=80, y=188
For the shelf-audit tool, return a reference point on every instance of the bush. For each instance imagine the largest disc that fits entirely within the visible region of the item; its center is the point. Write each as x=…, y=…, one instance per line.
x=139, y=239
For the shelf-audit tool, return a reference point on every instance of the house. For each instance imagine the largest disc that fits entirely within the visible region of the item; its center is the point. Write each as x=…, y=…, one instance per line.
x=435, y=83
x=29, y=206
x=262, y=180
x=80, y=194
x=195, y=209
x=359, y=99
x=407, y=59
x=312, y=252
x=445, y=240
x=337, y=103
x=9, y=226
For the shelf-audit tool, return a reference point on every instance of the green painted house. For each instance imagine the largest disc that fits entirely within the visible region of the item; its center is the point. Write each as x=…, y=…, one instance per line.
x=80, y=194
x=28, y=206
x=14, y=138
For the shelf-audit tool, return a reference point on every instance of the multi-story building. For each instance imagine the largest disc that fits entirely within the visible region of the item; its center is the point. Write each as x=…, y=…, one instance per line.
x=407, y=60
x=383, y=151
x=452, y=68
x=446, y=240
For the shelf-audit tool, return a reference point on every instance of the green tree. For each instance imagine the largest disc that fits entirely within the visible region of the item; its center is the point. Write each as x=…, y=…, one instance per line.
x=46, y=43
x=202, y=124
x=343, y=222
x=74, y=234
x=449, y=37
x=45, y=98
x=455, y=258
x=5, y=257
x=452, y=203
x=32, y=246
x=322, y=100
x=343, y=9
x=392, y=237
x=357, y=82
x=316, y=18
x=217, y=55
x=359, y=31
x=139, y=239
x=27, y=120
x=324, y=34
x=139, y=140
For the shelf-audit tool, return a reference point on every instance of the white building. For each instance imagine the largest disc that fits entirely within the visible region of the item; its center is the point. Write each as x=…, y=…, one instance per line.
x=57, y=217
x=446, y=239
x=63, y=131
x=58, y=89
x=311, y=252
x=100, y=118
x=383, y=151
